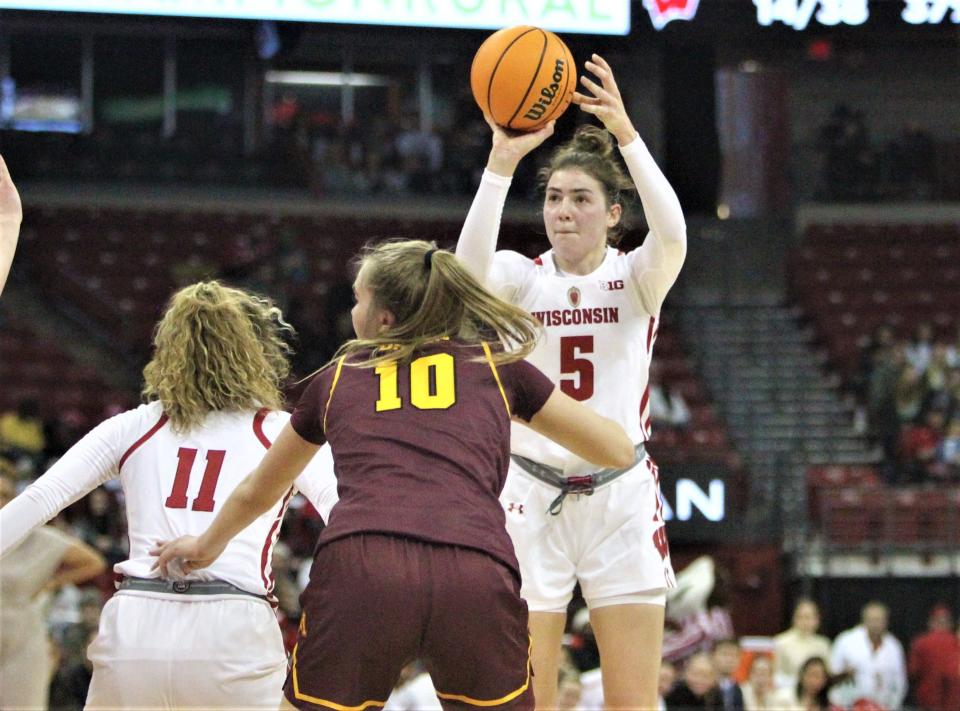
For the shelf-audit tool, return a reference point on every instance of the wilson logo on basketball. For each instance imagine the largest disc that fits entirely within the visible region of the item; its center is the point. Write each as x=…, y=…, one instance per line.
x=573, y=296
x=547, y=93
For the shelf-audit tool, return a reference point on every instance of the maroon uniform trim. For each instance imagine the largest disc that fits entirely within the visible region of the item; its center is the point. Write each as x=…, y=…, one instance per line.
x=269, y=583
x=258, y=427
x=493, y=702
x=136, y=445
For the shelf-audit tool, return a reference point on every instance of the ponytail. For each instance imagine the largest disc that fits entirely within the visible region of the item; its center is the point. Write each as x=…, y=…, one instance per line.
x=432, y=295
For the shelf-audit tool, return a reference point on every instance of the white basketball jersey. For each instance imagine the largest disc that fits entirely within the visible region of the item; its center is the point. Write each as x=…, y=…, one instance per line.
x=175, y=483
x=597, y=346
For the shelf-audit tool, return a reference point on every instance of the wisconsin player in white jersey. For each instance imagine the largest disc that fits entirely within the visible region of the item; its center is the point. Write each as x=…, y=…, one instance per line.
x=600, y=309
x=211, y=638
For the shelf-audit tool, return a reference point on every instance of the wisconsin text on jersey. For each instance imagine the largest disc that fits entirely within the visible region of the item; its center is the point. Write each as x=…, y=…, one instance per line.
x=575, y=317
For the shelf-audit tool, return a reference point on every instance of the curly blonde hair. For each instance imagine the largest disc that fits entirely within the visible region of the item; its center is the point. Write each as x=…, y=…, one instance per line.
x=433, y=295
x=217, y=348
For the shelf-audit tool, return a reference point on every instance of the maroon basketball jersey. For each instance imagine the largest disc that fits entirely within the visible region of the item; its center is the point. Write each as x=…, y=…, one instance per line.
x=421, y=449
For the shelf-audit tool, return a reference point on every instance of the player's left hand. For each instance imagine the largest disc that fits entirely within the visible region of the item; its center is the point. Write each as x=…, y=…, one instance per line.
x=605, y=103
x=182, y=556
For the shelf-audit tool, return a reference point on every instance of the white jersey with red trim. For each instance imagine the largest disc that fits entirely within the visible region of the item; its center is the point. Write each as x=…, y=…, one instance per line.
x=597, y=346
x=173, y=485
x=600, y=327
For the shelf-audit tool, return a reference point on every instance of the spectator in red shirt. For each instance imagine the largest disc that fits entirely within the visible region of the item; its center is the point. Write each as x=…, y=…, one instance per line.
x=934, y=664
x=919, y=445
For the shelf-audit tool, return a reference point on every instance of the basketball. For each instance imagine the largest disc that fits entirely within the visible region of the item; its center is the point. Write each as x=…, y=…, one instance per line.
x=523, y=77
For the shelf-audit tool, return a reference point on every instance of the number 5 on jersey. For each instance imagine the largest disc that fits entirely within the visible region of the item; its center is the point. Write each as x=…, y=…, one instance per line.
x=433, y=384
x=580, y=385
x=185, y=459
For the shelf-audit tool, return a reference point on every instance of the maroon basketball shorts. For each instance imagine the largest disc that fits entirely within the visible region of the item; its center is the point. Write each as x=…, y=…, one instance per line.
x=376, y=602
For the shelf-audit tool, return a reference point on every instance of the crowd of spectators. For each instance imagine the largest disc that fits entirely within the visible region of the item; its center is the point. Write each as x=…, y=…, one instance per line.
x=858, y=167
x=864, y=668
x=910, y=389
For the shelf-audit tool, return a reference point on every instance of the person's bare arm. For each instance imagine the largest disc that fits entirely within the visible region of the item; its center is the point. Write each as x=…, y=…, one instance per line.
x=582, y=431
x=275, y=474
x=478, y=238
x=11, y=215
x=80, y=563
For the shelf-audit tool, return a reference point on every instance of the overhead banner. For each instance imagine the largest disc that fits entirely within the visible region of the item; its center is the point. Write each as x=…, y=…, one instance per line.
x=608, y=17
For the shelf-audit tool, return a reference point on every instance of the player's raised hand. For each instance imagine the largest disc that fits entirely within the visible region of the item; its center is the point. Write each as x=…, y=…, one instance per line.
x=604, y=100
x=10, y=208
x=182, y=556
x=510, y=147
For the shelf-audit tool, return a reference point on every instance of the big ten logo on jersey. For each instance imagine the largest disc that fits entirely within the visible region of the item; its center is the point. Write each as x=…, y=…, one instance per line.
x=186, y=456
x=615, y=285
x=433, y=383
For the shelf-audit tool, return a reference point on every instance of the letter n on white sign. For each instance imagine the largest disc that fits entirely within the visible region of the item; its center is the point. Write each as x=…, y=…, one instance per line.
x=689, y=495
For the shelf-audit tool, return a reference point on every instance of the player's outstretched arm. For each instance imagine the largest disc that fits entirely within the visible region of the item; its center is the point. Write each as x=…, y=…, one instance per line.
x=657, y=263
x=11, y=215
x=80, y=563
x=264, y=487
x=478, y=238
x=582, y=431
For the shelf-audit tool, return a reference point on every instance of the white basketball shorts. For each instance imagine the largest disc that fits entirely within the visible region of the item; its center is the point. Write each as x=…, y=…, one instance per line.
x=162, y=651
x=613, y=541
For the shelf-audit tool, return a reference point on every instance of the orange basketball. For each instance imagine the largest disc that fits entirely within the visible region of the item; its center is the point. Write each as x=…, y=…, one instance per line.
x=523, y=77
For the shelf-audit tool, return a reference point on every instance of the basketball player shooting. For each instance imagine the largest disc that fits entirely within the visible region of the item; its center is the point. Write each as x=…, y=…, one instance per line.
x=600, y=309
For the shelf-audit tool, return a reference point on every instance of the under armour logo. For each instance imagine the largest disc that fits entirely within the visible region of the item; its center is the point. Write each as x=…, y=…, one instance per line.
x=515, y=507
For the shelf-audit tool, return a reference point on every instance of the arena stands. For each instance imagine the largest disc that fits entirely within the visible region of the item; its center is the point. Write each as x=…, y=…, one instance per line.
x=883, y=301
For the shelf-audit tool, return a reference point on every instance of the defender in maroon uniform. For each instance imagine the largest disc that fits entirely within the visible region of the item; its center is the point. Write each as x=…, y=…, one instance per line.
x=415, y=561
